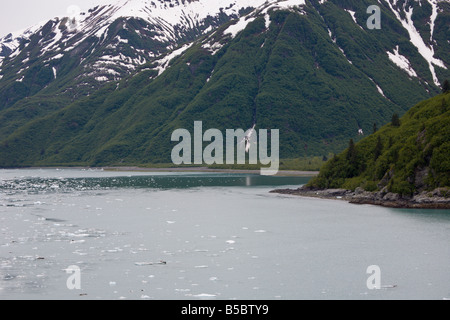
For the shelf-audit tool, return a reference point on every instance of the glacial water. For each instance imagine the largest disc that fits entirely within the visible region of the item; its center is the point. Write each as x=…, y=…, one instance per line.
x=136, y=235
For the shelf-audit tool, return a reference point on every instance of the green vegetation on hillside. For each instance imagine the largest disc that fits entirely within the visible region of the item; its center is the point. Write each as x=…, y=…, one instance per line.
x=411, y=157
x=292, y=76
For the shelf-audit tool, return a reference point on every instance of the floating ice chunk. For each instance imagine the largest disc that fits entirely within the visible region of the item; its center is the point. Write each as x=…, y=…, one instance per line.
x=201, y=267
x=81, y=235
x=231, y=242
x=142, y=264
x=204, y=295
x=9, y=277
x=77, y=241
x=78, y=252
x=390, y=286
x=260, y=231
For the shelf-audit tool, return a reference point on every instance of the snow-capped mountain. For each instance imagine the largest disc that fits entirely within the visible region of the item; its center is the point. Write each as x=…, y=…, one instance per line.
x=309, y=67
x=110, y=42
x=113, y=40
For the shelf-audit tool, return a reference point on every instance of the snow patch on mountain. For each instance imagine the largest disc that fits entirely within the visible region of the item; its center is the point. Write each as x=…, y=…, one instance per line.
x=101, y=79
x=13, y=39
x=277, y=5
x=416, y=39
x=213, y=48
x=380, y=91
x=288, y=4
x=164, y=63
x=433, y=17
x=241, y=24
x=353, y=14
x=331, y=36
x=266, y=6
x=402, y=62
x=345, y=55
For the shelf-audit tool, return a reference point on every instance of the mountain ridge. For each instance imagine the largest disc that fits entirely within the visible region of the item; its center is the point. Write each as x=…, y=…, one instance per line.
x=316, y=62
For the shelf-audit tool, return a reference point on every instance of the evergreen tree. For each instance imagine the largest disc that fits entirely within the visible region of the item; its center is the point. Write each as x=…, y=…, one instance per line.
x=391, y=142
x=352, y=169
x=395, y=120
x=378, y=148
x=375, y=128
x=351, y=150
x=446, y=87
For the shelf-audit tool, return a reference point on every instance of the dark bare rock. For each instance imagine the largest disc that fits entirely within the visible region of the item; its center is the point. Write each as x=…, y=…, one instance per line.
x=437, y=199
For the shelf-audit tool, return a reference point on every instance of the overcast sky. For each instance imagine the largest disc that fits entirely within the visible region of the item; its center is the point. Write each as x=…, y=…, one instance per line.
x=20, y=14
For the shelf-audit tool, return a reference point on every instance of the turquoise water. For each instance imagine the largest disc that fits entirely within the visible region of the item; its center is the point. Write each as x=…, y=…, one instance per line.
x=221, y=236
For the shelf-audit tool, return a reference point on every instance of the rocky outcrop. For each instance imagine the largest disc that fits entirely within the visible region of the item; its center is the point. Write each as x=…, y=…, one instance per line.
x=437, y=199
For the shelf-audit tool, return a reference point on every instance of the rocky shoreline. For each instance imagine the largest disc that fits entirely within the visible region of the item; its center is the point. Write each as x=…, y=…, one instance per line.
x=437, y=199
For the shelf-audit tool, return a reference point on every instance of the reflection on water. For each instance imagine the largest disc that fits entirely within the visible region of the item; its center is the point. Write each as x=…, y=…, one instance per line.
x=424, y=215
